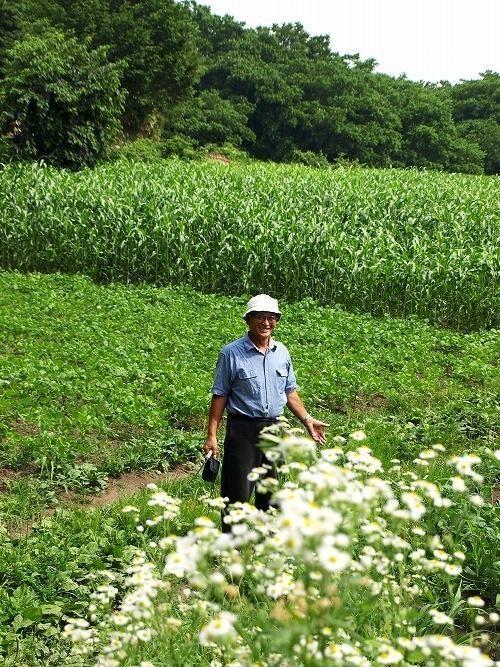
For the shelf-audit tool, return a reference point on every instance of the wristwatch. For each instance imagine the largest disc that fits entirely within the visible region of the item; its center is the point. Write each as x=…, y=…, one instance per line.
x=307, y=418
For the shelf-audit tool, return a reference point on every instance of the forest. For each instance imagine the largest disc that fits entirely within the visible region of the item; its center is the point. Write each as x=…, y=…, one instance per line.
x=83, y=80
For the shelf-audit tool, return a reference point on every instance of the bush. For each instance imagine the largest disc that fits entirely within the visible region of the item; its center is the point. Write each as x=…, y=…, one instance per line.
x=181, y=146
x=141, y=150
x=309, y=158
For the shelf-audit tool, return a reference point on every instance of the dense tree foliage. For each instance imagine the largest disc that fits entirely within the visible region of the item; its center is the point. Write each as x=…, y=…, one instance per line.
x=156, y=39
x=60, y=100
x=197, y=78
x=476, y=110
x=210, y=118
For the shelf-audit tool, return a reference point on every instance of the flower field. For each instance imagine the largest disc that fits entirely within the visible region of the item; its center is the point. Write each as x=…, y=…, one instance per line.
x=378, y=241
x=348, y=571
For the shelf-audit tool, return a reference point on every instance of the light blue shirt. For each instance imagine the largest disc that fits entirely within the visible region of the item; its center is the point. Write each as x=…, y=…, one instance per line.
x=255, y=383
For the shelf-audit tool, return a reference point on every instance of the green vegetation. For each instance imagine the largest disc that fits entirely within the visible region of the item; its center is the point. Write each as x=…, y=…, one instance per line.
x=99, y=380
x=191, y=78
x=61, y=100
x=382, y=241
x=49, y=574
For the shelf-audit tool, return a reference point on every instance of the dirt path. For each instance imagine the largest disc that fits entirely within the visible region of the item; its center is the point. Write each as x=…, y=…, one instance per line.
x=128, y=484
x=117, y=489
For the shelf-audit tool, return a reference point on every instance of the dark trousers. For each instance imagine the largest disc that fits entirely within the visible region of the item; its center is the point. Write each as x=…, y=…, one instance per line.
x=241, y=454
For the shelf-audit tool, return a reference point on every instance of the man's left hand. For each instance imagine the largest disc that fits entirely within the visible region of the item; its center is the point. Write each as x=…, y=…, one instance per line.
x=316, y=430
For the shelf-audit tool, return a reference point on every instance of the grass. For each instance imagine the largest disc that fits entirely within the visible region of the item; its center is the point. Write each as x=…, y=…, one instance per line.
x=378, y=241
x=47, y=574
x=98, y=380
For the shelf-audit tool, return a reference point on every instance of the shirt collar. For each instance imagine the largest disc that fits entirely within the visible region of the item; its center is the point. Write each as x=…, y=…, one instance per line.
x=247, y=341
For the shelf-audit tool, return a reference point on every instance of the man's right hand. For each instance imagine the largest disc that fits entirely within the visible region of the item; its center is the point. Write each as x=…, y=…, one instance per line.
x=211, y=446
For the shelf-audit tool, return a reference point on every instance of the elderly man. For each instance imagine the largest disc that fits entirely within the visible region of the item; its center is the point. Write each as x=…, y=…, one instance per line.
x=254, y=380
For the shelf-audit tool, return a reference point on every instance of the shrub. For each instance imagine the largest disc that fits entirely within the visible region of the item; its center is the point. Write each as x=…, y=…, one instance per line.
x=141, y=150
x=181, y=146
x=309, y=158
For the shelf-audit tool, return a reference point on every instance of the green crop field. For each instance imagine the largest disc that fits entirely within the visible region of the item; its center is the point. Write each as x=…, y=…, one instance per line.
x=378, y=241
x=119, y=287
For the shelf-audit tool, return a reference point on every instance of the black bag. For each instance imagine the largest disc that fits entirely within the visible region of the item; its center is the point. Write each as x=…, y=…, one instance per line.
x=210, y=469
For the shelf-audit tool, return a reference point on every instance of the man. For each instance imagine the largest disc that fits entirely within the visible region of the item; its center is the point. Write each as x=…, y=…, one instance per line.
x=254, y=380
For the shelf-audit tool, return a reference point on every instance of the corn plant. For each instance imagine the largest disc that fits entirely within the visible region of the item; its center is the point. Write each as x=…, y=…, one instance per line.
x=379, y=241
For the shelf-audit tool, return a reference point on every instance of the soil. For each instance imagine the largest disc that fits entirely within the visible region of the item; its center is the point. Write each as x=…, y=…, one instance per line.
x=5, y=475
x=117, y=489
x=218, y=157
x=25, y=428
x=126, y=485
x=362, y=403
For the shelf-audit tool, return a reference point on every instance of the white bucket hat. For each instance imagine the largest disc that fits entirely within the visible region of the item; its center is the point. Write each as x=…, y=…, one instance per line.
x=262, y=303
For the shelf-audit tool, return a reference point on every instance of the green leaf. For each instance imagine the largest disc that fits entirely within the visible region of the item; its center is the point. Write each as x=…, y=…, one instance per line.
x=21, y=622
x=51, y=610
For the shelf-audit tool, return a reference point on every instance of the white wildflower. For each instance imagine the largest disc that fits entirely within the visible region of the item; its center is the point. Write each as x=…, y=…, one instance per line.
x=440, y=618
x=475, y=601
x=458, y=484
x=219, y=630
x=427, y=454
x=389, y=656
x=332, y=559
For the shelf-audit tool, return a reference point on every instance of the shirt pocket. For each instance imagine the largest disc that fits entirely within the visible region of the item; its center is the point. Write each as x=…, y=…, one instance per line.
x=247, y=381
x=282, y=377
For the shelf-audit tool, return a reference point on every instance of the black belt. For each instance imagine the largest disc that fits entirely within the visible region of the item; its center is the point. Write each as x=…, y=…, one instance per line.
x=245, y=418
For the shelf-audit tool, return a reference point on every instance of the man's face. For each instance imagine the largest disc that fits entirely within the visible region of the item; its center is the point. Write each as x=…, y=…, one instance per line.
x=262, y=325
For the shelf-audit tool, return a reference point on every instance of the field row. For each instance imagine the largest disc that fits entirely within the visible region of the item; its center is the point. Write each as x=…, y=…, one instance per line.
x=378, y=241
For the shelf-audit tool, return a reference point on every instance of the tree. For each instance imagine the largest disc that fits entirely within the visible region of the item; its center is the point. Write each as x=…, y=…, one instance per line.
x=476, y=110
x=216, y=34
x=157, y=39
x=485, y=133
x=303, y=96
x=10, y=28
x=208, y=118
x=60, y=100
x=428, y=132
x=478, y=98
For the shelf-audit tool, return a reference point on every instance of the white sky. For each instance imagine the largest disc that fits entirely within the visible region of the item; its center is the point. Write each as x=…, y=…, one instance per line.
x=429, y=40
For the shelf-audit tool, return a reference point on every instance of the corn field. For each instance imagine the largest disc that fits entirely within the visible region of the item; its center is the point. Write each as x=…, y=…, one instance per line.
x=379, y=241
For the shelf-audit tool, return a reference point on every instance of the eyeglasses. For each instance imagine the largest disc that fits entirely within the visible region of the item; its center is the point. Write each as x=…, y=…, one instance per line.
x=261, y=317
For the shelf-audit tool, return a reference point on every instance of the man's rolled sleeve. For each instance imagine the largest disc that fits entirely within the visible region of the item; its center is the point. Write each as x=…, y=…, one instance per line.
x=291, y=382
x=222, y=381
